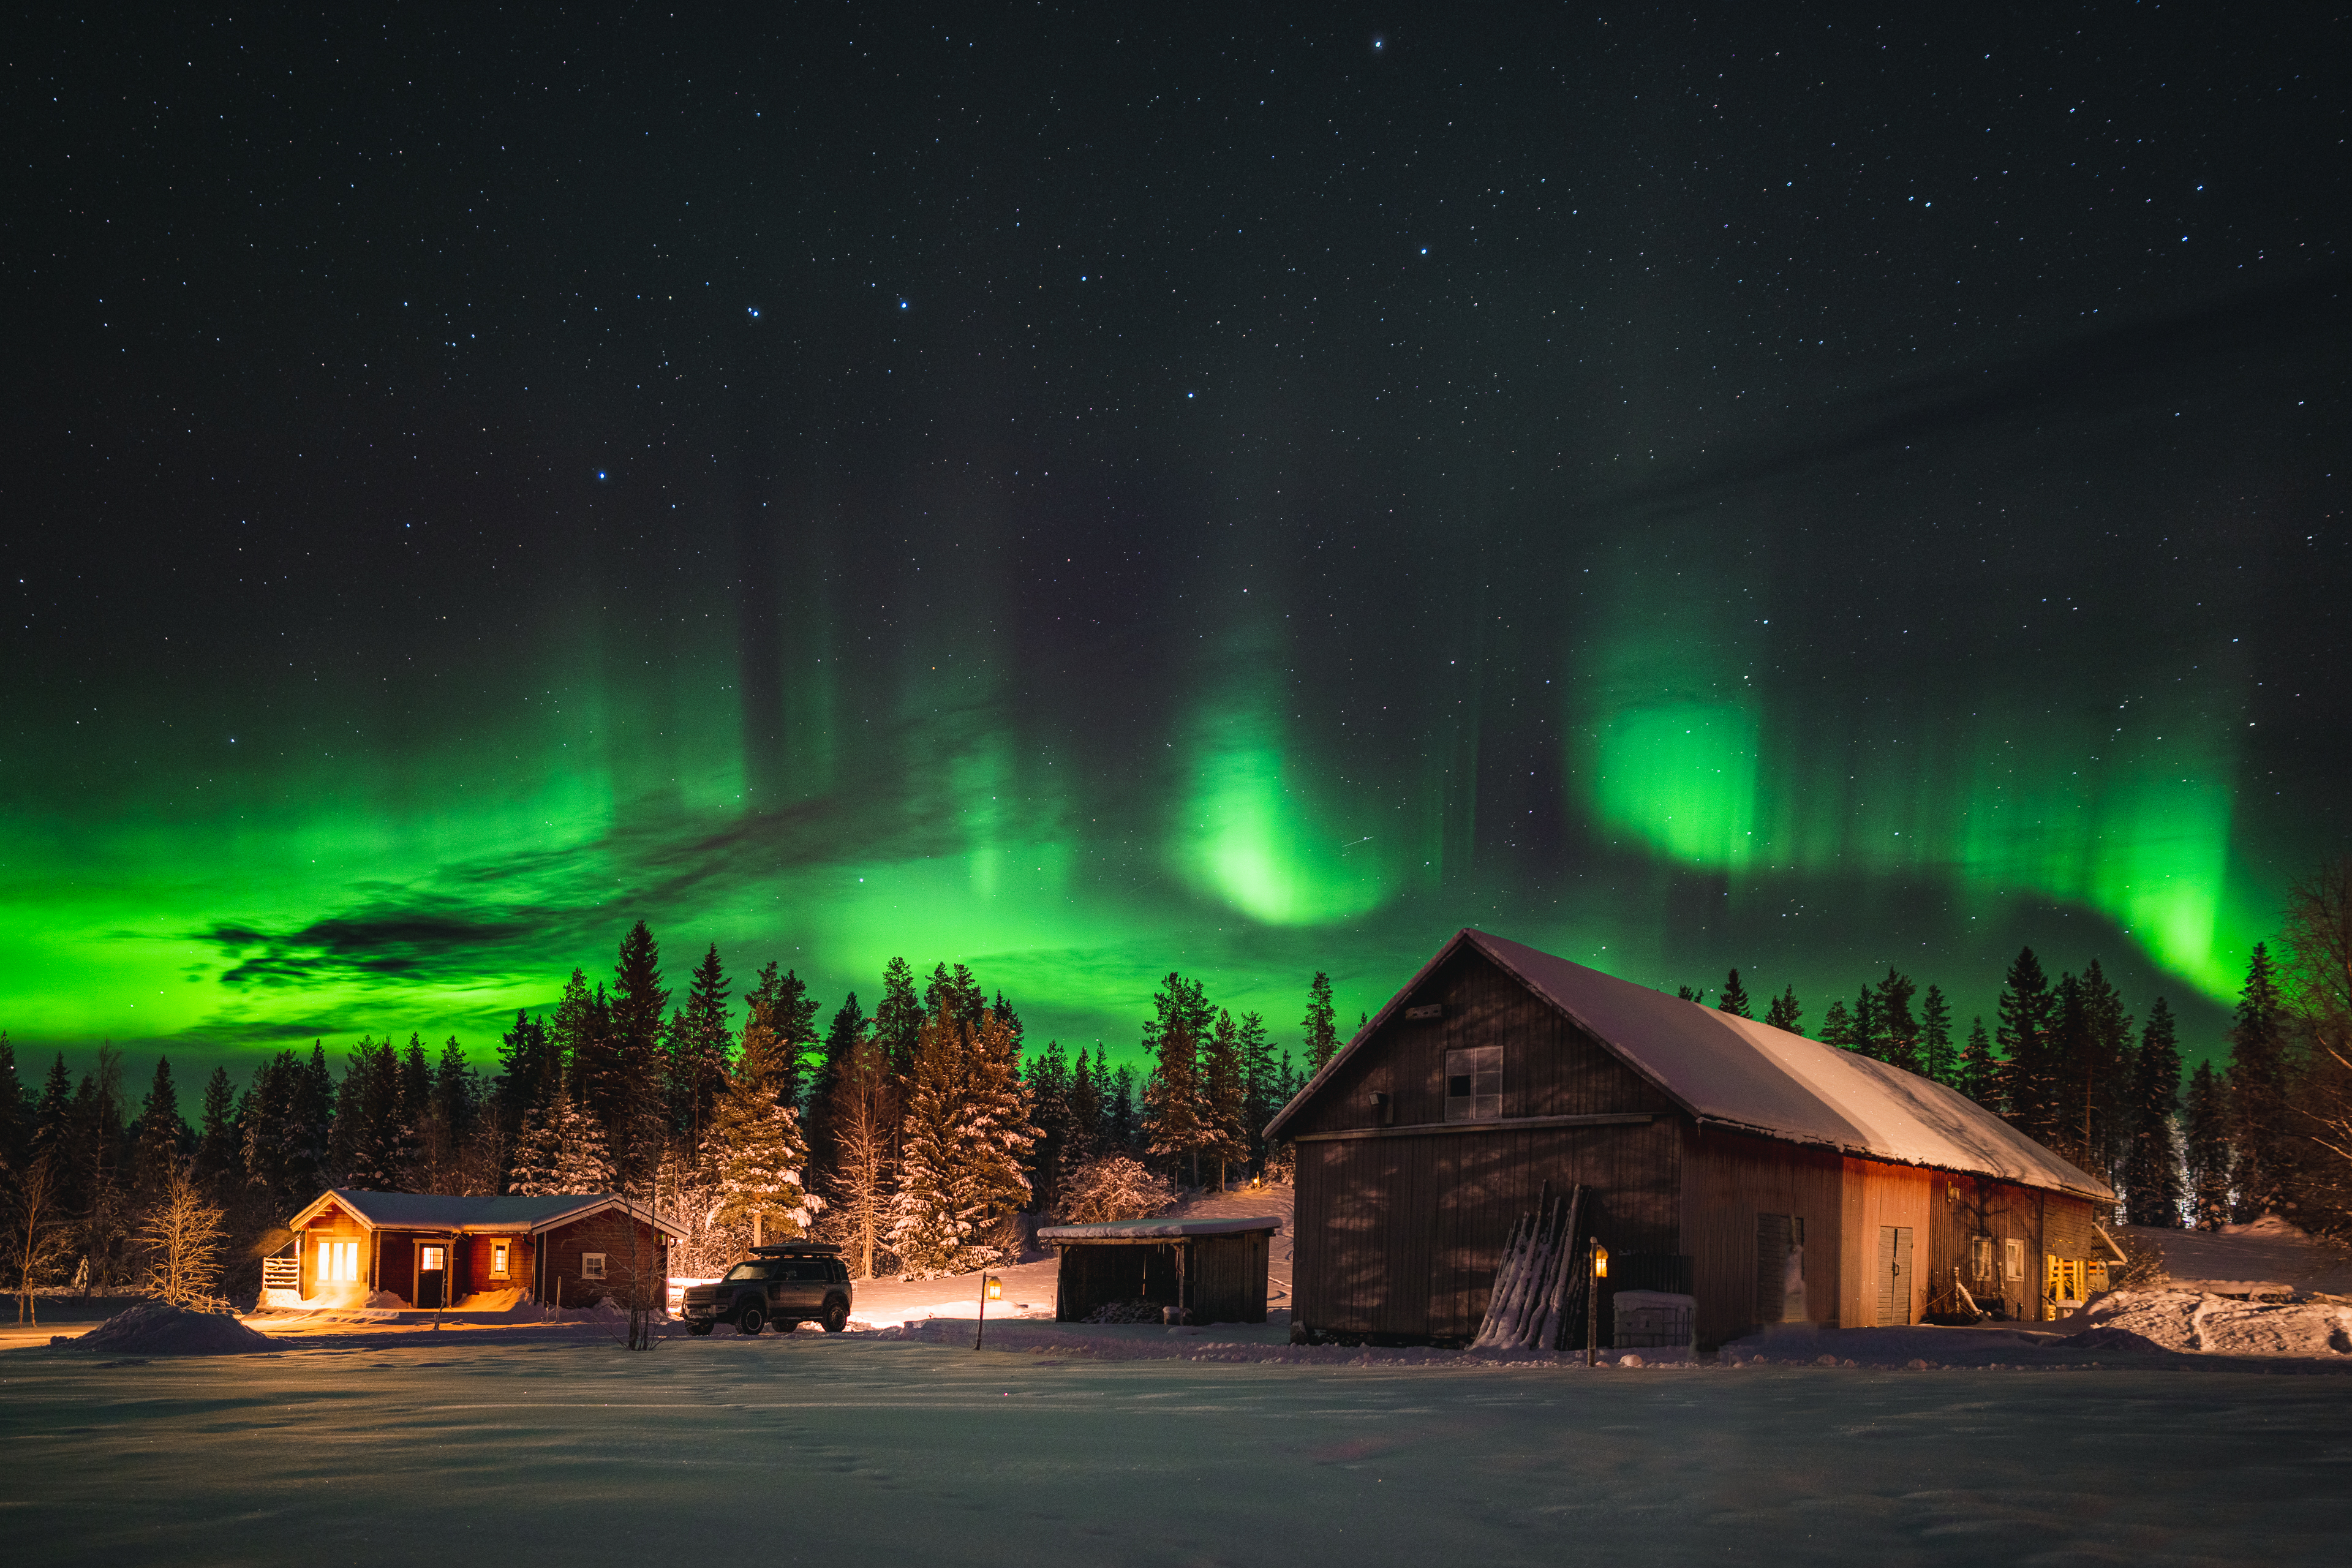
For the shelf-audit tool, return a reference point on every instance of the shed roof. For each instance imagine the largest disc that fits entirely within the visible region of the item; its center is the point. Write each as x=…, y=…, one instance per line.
x=1156, y=1229
x=441, y=1211
x=1741, y=1074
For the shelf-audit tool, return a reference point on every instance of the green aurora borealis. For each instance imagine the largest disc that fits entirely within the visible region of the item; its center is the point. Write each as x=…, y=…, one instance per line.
x=1243, y=546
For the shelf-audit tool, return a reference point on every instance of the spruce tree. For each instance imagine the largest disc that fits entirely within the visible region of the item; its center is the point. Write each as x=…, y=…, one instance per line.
x=1897, y=1031
x=633, y=1108
x=219, y=1142
x=1784, y=1013
x=1979, y=1070
x=1262, y=1093
x=162, y=1135
x=1321, y=1024
x=1089, y=1088
x=698, y=1042
x=16, y=1112
x=790, y=1012
x=1175, y=1119
x=967, y=1137
x=843, y=1037
x=2261, y=1132
x=525, y=1060
x=1121, y=1124
x=898, y=1018
x=2206, y=1139
x=1937, y=1058
x=1226, y=1139
x=1735, y=997
x=1175, y=1104
x=2065, y=1053
x=755, y=1147
x=1837, y=1028
x=2152, y=1191
x=2023, y=1018
x=1049, y=1098
x=2101, y=1075
x=1869, y=1039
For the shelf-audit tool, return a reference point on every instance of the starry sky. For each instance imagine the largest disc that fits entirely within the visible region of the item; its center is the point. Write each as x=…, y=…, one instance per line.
x=1090, y=495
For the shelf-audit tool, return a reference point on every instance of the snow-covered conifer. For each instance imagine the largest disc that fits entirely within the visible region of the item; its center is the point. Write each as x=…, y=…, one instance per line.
x=755, y=1149
x=966, y=1142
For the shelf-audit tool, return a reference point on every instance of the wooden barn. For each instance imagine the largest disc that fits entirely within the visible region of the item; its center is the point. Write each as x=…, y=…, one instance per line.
x=1211, y=1269
x=1774, y=1178
x=431, y=1250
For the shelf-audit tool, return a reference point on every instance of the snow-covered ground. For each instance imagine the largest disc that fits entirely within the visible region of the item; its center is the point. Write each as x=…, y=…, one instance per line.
x=862, y=1449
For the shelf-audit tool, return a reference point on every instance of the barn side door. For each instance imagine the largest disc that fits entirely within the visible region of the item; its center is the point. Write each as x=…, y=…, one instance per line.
x=1893, y=1275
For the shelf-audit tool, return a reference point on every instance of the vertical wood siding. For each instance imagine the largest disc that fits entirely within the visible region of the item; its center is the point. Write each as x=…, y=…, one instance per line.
x=1729, y=1179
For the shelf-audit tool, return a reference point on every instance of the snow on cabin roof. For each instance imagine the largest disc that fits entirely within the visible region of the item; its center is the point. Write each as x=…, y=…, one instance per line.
x=1750, y=1076
x=1156, y=1229
x=441, y=1211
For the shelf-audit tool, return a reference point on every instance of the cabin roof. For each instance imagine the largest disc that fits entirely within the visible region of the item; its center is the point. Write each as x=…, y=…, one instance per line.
x=441, y=1211
x=1747, y=1075
x=1155, y=1229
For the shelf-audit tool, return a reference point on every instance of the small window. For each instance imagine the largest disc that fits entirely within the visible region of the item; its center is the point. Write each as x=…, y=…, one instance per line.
x=339, y=1262
x=431, y=1259
x=2013, y=1259
x=498, y=1260
x=1473, y=1084
x=1981, y=1257
x=591, y=1266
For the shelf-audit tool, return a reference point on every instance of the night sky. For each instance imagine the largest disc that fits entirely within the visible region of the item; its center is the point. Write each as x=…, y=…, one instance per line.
x=1087, y=496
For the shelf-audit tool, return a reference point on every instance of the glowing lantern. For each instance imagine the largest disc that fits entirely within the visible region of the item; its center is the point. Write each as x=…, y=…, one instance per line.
x=1600, y=1262
x=995, y=1289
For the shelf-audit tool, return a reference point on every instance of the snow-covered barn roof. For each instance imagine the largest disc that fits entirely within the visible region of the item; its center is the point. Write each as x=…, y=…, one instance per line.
x=1751, y=1076
x=440, y=1211
x=1156, y=1229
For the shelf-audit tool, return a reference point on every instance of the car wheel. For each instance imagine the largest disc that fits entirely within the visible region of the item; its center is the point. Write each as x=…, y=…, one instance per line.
x=698, y=1330
x=836, y=1316
x=752, y=1321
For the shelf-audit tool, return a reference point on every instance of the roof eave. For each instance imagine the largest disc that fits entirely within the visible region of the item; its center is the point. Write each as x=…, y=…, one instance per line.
x=2094, y=1193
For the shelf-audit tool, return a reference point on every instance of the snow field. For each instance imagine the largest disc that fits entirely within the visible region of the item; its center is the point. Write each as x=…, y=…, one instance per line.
x=858, y=1449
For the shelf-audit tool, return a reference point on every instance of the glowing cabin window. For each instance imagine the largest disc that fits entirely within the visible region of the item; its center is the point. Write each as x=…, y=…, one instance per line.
x=497, y=1259
x=339, y=1262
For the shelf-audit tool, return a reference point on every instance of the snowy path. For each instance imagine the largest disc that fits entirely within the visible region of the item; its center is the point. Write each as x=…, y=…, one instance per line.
x=864, y=1450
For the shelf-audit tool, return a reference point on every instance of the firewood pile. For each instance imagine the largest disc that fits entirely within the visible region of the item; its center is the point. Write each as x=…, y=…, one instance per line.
x=1539, y=1293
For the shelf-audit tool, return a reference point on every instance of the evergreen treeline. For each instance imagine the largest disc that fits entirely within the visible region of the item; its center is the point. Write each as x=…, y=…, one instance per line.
x=916, y=1136
x=2268, y=1132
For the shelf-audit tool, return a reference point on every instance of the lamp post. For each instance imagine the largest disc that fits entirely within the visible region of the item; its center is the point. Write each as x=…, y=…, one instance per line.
x=991, y=1288
x=1593, y=1303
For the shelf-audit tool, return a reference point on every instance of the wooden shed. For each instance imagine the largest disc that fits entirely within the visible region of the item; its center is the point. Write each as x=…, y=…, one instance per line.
x=1215, y=1269
x=1775, y=1178
x=351, y=1246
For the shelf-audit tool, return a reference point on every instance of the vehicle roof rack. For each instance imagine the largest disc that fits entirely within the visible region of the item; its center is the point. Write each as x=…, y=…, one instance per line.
x=795, y=1249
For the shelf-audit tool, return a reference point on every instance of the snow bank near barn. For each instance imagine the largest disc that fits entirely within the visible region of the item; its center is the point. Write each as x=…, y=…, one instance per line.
x=158, y=1328
x=2200, y=1322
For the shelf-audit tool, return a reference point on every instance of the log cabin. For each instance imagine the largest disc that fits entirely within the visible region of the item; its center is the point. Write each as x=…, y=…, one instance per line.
x=1774, y=1178
x=426, y=1250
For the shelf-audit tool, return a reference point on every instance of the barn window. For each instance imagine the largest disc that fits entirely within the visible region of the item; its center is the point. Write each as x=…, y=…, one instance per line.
x=1473, y=1084
x=591, y=1266
x=1981, y=1257
x=2015, y=1259
x=498, y=1260
x=339, y=1262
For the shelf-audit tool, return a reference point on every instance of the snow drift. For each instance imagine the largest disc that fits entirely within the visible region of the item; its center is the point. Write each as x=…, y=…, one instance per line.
x=2208, y=1324
x=158, y=1328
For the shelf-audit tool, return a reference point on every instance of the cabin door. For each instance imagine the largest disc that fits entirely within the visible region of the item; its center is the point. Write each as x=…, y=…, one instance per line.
x=432, y=1275
x=1893, y=1275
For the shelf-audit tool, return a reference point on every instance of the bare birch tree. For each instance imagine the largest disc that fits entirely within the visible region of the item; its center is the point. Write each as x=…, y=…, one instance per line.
x=36, y=1237
x=864, y=1118
x=182, y=1235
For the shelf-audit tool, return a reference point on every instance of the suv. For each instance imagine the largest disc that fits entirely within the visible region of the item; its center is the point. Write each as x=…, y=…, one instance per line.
x=798, y=1282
